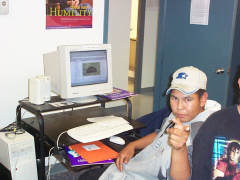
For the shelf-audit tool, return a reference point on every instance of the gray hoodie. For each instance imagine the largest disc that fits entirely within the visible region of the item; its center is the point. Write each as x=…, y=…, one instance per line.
x=154, y=161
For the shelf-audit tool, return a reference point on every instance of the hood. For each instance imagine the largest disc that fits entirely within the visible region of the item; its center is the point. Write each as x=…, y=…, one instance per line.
x=212, y=105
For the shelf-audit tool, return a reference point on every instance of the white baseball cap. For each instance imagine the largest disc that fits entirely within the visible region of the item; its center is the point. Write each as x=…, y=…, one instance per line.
x=188, y=80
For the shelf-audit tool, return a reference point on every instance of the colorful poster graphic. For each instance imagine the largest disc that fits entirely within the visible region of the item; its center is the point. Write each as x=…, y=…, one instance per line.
x=226, y=159
x=66, y=14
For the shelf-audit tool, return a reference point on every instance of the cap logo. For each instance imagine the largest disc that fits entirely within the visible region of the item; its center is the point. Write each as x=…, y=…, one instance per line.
x=182, y=76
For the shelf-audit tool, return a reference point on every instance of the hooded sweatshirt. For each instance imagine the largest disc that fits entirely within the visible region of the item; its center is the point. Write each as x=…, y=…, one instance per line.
x=154, y=161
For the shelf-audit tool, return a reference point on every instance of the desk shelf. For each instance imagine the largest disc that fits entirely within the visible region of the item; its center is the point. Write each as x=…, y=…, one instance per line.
x=49, y=126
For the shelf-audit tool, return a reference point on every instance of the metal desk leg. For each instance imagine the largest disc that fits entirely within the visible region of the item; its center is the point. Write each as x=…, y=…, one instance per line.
x=129, y=103
x=42, y=151
x=41, y=128
x=18, y=113
x=103, y=104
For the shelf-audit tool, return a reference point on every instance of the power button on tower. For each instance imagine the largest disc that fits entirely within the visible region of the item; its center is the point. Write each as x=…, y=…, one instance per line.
x=4, y=7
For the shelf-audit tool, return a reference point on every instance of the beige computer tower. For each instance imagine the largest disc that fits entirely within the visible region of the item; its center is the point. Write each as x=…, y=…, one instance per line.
x=18, y=156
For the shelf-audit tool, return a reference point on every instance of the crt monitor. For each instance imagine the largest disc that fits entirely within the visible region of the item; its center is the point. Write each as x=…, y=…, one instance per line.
x=79, y=72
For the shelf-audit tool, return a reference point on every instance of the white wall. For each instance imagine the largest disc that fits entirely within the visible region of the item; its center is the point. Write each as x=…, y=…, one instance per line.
x=119, y=37
x=150, y=43
x=23, y=41
x=134, y=19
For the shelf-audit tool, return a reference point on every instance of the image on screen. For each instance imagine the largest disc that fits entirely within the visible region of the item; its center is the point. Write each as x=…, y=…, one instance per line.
x=88, y=67
x=91, y=69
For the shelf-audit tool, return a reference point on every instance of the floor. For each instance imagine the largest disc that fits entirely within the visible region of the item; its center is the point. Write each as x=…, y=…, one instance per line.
x=142, y=104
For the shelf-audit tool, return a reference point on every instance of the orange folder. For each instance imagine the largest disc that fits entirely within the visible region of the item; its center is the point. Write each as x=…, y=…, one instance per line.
x=94, y=151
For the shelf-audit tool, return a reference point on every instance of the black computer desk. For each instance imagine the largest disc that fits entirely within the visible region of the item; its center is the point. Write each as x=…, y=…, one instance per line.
x=46, y=127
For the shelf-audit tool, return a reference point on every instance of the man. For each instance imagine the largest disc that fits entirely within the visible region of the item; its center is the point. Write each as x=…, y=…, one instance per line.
x=218, y=136
x=159, y=159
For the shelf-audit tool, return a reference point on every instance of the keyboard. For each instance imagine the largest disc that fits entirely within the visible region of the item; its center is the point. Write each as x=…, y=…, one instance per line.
x=99, y=129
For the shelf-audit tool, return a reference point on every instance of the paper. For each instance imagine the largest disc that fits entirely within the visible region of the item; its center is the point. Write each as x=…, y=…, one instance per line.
x=62, y=103
x=103, y=153
x=199, y=13
x=91, y=147
x=97, y=119
x=108, y=120
x=77, y=160
x=152, y=5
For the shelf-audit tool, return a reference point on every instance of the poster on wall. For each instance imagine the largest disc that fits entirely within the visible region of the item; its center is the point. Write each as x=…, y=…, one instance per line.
x=66, y=14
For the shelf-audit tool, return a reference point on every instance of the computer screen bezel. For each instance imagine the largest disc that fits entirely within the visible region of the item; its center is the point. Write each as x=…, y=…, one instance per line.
x=57, y=66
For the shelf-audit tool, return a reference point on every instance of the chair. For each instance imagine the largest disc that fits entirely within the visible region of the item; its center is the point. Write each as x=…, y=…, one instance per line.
x=153, y=120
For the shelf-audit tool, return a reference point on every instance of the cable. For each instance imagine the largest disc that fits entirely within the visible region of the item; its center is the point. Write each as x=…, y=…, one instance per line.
x=49, y=156
x=48, y=175
x=59, y=138
x=12, y=130
x=15, y=128
x=49, y=163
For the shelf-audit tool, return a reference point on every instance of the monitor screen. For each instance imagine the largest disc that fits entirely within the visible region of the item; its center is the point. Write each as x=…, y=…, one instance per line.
x=88, y=67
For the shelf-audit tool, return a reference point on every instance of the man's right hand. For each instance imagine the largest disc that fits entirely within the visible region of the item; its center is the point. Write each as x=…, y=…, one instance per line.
x=128, y=152
x=178, y=135
x=124, y=156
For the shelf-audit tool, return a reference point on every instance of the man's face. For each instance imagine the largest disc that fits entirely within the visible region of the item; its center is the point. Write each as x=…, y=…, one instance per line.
x=234, y=154
x=186, y=107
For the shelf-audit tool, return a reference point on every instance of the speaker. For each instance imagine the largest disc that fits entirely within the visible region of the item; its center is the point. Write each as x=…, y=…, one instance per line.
x=36, y=90
x=47, y=87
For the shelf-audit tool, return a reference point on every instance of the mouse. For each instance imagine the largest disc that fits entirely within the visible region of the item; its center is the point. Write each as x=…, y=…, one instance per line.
x=117, y=140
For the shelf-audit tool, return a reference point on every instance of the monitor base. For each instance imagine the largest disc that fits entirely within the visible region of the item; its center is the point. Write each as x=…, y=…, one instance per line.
x=81, y=100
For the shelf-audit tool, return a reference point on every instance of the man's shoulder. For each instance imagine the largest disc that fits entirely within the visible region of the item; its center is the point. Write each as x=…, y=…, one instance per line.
x=219, y=118
x=223, y=112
